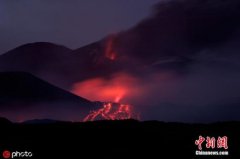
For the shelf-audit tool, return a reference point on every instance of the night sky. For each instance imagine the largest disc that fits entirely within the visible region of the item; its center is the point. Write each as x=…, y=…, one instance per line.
x=72, y=23
x=172, y=60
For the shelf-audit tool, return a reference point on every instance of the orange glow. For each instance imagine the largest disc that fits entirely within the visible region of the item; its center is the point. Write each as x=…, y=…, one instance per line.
x=109, y=49
x=106, y=89
x=110, y=111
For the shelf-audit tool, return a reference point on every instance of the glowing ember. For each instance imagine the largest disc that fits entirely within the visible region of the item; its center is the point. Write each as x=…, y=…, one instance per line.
x=109, y=51
x=110, y=111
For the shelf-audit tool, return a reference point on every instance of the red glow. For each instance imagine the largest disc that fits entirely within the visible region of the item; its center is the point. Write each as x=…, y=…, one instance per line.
x=107, y=89
x=110, y=53
x=110, y=111
x=118, y=87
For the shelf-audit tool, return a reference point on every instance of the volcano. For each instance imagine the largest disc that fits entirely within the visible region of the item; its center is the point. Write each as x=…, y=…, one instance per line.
x=57, y=64
x=64, y=67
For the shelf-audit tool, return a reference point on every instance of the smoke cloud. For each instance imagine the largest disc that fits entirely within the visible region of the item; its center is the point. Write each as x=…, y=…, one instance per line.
x=197, y=44
x=185, y=59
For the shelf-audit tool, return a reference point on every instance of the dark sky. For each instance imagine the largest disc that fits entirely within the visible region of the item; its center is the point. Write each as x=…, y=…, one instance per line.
x=71, y=23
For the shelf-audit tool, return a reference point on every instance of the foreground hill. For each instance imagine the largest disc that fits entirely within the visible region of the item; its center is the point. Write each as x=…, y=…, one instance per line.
x=22, y=96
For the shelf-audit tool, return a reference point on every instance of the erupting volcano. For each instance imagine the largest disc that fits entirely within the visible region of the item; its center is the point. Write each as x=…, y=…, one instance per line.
x=111, y=111
x=118, y=89
x=112, y=88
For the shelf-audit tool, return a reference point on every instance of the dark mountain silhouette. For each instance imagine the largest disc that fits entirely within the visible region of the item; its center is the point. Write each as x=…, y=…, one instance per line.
x=26, y=87
x=22, y=94
x=4, y=121
x=58, y=64
x=34, y=57
x=42, y=59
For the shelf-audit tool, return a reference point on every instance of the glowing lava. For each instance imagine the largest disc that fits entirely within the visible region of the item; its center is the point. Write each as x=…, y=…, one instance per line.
x=110, y=111
x=109, y=49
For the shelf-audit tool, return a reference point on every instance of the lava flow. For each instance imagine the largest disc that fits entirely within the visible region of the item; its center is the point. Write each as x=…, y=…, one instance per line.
x=109, y=49
x=110, y=111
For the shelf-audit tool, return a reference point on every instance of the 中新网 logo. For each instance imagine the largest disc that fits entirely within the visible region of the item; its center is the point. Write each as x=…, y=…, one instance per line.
x=211, y=145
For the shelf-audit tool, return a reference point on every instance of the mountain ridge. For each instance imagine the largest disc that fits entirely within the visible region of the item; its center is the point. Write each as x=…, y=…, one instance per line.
x=24, y=97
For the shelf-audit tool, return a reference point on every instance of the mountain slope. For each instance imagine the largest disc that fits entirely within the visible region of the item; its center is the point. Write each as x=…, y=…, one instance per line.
x=24, y=96
x=42, y=59
x=58, y=64
x=33, y=57
x=26, y=87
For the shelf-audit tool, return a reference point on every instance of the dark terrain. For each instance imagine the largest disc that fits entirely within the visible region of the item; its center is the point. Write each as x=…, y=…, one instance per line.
x=115, y=139
x=23, y=93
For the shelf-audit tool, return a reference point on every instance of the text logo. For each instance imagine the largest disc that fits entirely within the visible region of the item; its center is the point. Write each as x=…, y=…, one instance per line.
x=212, y=145
x=16, y=154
